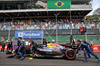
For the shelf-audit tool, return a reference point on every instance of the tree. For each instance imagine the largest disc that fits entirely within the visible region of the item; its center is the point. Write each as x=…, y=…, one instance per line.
x=93, y=18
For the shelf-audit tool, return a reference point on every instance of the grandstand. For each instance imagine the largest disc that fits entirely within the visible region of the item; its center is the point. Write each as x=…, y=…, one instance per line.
x=28, y=9
x=24, y=15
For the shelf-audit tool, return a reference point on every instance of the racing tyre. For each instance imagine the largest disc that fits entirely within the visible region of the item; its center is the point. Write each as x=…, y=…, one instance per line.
x=70, y=54
x=16, y=53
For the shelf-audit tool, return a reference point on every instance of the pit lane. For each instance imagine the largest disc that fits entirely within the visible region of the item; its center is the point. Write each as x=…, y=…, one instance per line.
x=13, y=61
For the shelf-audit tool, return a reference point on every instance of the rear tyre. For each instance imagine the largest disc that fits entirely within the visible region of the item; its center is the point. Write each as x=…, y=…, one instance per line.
x=70, y=54
x=16, y=53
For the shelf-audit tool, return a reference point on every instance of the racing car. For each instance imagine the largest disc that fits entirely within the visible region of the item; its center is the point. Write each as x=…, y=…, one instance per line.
x=51, y=50
x=55, y=50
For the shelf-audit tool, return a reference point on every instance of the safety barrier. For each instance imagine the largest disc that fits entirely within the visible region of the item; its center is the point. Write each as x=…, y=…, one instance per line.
x=13, y=47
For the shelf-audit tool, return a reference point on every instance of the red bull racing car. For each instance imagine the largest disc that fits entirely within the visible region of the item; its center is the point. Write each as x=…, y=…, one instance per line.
x=55, y=50
x=50, y=50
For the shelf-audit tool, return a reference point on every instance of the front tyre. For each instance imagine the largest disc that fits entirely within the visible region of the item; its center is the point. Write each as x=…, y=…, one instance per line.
x=70, y=54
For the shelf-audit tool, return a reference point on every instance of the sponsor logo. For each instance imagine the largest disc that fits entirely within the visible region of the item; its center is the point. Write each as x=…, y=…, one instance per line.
x=28, y=34
x=81, y=30
x=20, y=34
x=96, y=48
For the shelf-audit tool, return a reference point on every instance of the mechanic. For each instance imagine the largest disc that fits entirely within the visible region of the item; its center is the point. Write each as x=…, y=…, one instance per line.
x=53, y=41
x=31, y=44
x=73, y=41
x=90, y=51
x=44, y=41
x=21, y=48
x=72, y=44
x=9, y=45
x=19, y=41
x=86, y=49
x=3, y=44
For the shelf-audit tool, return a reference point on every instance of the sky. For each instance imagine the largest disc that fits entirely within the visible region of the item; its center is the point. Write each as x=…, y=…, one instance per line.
x=95, y=5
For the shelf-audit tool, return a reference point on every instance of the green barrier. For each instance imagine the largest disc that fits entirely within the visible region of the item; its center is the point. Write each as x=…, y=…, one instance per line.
x=77, y=37
x=9, y=38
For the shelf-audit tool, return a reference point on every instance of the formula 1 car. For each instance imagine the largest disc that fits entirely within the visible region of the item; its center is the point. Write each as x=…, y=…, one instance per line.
x=55, y=50
x=50, y=50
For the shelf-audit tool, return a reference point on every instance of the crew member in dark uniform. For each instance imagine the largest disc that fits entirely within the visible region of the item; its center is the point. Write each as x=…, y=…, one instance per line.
x=86, y=49
x=44, y=41
x=31, y=42
x=9, y=45
x=21, y=48
x=3, y=44
x=19, y=41
x=33, y=45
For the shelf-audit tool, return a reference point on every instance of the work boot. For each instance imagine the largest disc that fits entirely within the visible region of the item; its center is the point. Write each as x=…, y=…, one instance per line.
x=98, y=61
x=21, y=58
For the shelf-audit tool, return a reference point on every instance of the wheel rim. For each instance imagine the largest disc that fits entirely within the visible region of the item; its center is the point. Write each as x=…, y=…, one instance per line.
x=70, y=54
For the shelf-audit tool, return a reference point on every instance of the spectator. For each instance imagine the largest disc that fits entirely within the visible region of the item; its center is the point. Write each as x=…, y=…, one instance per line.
x=46, y=24
x=92, y=25
x=58, y=26
x=68, y=26
x=18, y=27
x=4, y=27
x=25, y=26
x=35, y=26
x=13, y=26
x=65, y=26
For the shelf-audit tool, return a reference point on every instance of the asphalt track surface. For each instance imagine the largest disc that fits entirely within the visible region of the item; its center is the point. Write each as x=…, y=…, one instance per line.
x=13, y=61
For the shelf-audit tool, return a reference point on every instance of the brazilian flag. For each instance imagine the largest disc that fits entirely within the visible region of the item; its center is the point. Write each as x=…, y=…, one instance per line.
x=59, y=4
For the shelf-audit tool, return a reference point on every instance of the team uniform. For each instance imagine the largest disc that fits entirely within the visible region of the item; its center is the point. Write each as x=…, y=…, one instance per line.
x=3, y=45
x=32, y=43
x=87, y=50
x=89, y=47
x=21, y=49
x=44, y=42
x=33, y=46
x=19, y=42
x=9, y=45
x=73, y=41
